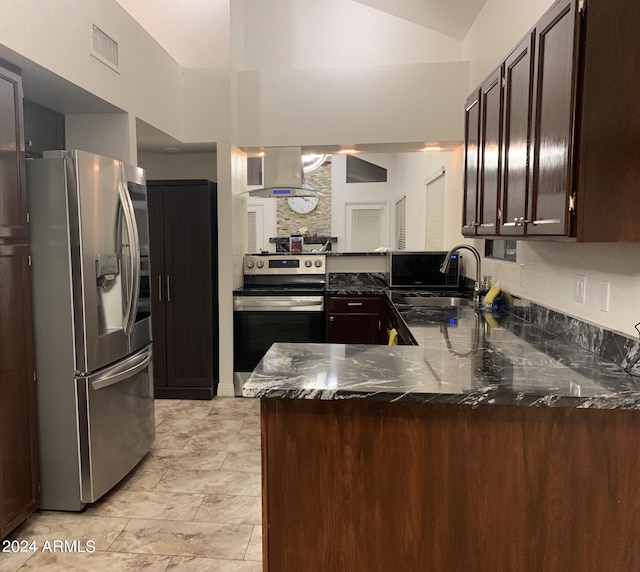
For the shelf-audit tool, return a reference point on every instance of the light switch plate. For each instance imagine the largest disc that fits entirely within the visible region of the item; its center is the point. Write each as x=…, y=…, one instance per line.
x=580, y=288
x=604, y=295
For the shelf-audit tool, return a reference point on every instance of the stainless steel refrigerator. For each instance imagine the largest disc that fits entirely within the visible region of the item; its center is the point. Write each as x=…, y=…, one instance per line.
x=92, y=323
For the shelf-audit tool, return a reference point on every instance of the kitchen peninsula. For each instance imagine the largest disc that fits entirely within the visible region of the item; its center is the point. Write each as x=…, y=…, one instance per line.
x=490, y=446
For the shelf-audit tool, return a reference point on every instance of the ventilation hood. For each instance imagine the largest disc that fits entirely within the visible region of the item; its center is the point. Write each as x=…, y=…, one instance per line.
x=283, y=175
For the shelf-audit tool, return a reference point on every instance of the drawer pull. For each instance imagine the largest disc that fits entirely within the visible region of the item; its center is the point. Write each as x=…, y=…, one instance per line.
x=354, y=303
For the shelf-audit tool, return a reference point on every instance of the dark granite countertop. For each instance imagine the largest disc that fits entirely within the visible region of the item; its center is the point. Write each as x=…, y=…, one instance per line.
x=347, y=290
x=382, y=253
x=464, y=357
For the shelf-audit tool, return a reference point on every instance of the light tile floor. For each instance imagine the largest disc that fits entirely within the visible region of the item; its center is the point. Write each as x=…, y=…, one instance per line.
x=191, y=505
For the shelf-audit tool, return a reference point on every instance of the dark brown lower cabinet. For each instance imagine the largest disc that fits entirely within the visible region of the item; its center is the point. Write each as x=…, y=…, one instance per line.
x=391, y=319
x=184, y=288
x=353, y=319
x=18, y=449
x=366, y=486
x=364, y=320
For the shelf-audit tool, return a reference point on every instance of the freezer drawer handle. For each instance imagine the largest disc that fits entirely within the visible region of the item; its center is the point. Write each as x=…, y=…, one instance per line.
x=137, y=364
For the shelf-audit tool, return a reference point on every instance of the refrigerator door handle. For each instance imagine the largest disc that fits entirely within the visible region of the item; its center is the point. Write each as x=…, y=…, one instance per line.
x=132, y=231
x=124, y=370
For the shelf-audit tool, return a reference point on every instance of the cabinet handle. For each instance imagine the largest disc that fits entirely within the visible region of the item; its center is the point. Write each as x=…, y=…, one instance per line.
x=331, y=318
x=547, y=221
x=168, y=288
x=159, y=288
x=354, y=303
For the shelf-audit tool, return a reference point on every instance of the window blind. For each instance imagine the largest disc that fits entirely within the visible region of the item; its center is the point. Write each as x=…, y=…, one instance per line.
x=252, y=232
x=365, y=229
x=401, y=224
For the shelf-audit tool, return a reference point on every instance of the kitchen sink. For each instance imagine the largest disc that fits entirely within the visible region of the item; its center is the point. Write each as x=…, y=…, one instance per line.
x=437, y=302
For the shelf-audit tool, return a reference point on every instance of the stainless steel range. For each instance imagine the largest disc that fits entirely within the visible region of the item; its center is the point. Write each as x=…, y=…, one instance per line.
x=282, y=300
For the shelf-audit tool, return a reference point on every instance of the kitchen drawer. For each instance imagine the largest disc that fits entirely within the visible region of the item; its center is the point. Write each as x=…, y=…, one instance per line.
x=353, y=304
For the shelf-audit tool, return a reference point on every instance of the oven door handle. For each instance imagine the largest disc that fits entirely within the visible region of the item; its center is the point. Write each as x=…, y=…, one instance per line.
x=246, y=304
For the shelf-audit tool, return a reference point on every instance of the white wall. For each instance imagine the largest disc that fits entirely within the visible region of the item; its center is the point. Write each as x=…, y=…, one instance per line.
x=550, y=267
x=108, y=134
x=496, y=31
x=298, y=34
x=375, y=104
x=188, y=104
x=182, y=166
x=232, y=240
x=194, y=32
x=55, y=35
x=343, y=193
x=549, y=270
x=338, y=72
x=414, y=169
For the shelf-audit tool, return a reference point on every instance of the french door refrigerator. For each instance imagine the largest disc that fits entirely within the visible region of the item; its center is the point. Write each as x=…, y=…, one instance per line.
x=92, y=323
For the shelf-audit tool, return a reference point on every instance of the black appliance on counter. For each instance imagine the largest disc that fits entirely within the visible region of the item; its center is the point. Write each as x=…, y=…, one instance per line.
x=282, y=300
x=416, y=270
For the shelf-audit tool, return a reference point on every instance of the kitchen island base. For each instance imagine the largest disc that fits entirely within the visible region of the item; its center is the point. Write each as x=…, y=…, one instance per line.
x=355, y=485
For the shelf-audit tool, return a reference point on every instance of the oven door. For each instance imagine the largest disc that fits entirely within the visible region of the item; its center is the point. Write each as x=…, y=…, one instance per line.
x=259, y=321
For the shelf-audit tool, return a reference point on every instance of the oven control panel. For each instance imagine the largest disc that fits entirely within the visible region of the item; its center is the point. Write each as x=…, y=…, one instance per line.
x=285, y=264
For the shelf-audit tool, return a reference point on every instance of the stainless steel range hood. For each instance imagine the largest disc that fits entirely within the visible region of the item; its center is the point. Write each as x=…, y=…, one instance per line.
x=283, y=175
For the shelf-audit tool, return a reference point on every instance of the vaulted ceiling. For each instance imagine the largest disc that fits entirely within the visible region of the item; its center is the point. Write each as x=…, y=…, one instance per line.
x=184, y=30
x=449, y=17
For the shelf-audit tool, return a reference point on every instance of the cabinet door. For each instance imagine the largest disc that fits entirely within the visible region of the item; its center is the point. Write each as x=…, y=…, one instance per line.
x=155, y=205
x=554, y=121
x=18, y=454
x=518, y=78
x=43, y=129
x=188, y=287
x=490, y=153
x=353, y=328
x=13, y=198
x=471, y=156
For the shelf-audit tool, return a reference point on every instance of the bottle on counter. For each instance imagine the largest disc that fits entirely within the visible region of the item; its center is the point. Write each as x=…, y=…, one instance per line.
x=295, y=242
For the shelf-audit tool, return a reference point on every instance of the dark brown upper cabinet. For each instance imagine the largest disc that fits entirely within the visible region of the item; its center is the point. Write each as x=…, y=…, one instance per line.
x=490, y=153
x=516, y=117
x=554, y=122
x=13, y=197
x=471, y=163
x=608, y=156
x=571, y=120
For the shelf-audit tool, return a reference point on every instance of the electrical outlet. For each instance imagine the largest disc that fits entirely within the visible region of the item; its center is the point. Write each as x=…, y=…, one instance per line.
x=604, y=295
x=521, y=276
x=580, y=288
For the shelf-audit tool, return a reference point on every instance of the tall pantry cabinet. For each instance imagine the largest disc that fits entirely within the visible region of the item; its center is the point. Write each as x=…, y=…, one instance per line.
x=18, y=452
x=183, y=242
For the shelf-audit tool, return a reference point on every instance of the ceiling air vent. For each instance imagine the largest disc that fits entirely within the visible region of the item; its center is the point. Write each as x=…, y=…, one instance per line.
x=104, y=47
